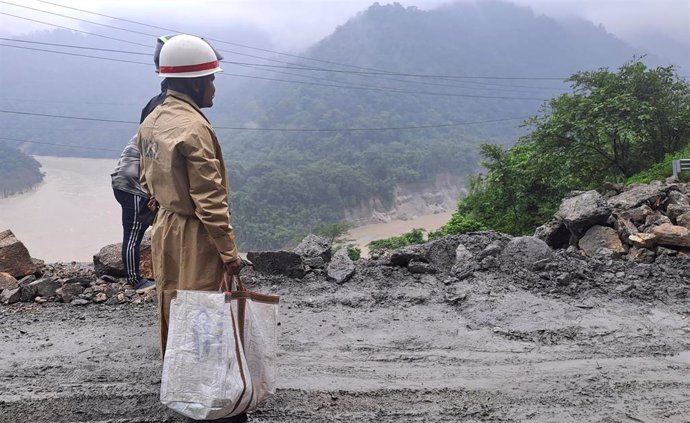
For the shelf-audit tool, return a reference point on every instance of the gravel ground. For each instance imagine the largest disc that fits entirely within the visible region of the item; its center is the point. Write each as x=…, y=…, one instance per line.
x=393, y=346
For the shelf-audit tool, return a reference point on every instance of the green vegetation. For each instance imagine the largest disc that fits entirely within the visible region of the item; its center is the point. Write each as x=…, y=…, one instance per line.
x=415, y=236
x=354, y=252
x=614, y=126
x=662, y=170
x=18, y=172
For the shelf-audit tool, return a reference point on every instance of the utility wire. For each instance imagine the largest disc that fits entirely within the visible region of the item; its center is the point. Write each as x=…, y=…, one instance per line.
x=75, y=30
x=234, y=128
x=59, y=145
x=259, y=66
x=365, y=70
x=354, y=87
x=75, y=54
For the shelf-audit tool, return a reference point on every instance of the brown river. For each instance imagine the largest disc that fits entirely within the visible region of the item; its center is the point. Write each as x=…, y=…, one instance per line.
x=73, y=213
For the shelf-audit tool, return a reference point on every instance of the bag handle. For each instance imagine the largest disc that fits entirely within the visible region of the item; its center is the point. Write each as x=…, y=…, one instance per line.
x=227, y=285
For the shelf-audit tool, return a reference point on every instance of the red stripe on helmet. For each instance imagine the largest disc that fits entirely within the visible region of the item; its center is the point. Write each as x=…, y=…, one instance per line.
x=189, y=68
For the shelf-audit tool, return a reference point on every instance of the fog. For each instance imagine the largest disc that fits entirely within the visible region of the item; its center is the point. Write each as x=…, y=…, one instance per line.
x=295, y=24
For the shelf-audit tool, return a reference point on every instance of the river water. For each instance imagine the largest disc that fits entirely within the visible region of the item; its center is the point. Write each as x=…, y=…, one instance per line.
x=73, y=214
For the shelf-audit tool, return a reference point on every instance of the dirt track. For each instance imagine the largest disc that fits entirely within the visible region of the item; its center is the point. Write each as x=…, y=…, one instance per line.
x=387, y=346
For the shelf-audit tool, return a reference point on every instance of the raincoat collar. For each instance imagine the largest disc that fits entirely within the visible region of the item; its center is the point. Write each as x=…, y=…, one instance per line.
x=187, y=99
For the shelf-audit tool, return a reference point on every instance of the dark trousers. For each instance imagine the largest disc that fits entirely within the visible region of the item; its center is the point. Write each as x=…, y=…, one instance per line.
x=133, y=232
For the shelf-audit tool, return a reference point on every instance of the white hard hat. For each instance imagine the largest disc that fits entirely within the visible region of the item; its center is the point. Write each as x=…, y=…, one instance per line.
x=187, y=56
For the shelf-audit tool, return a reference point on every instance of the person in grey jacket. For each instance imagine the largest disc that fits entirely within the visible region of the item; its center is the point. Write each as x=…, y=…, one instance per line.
x=133, y=200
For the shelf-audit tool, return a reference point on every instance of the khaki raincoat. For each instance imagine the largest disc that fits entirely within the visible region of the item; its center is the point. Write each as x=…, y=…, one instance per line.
x=182, y=166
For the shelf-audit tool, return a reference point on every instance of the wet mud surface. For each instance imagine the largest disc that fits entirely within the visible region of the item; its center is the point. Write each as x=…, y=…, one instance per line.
x=386, y=346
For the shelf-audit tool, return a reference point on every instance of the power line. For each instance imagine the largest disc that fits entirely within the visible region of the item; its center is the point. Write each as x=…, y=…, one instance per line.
x=75, y=30
x=59, y=145
x=354, y=87
x=15, y=40
x=74, y=54
x=394, y=128
x=257, y=66
x=365, y=69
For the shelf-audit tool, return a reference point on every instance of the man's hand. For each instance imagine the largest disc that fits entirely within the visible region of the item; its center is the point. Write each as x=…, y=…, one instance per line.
x=233, y=268
x=152, y=204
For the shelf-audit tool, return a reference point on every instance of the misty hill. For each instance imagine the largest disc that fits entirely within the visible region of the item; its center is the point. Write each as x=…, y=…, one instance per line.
x=286, y=182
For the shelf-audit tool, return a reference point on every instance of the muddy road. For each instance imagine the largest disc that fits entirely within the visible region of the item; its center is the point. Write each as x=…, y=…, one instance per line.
x=386, y=346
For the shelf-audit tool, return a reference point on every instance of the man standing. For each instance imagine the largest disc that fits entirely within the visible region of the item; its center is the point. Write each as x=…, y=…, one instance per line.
x=193, y=243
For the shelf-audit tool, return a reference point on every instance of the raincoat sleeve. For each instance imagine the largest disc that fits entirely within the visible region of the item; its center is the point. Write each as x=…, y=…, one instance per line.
x=142, y=177
x=208, y=190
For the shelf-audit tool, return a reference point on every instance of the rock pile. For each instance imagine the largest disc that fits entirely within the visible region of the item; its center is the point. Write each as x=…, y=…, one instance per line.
x=640, y=222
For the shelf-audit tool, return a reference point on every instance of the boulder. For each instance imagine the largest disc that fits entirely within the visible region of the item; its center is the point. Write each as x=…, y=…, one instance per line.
x=525, y=251
x=45, y=287
x=672, y=235
x=108, y=261
x=643, y=240
x=624, y=227
x=684, y=220
x=598, y=237
x=69, y=291
x=677, y=198
x=402, y=256
x=441, y=253
x=341, y=268
x=10, y=296
x=582, y=211
x=554, y=233
x=14, y=257
x=315, y=250
x=636, y=195
x=420, y=267
x=284, y=263
x=673, y=211
x=8, y=281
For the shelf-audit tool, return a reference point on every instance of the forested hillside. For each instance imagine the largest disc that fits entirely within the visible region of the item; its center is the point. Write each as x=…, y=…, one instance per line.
x=393, y=95
x=18, y=172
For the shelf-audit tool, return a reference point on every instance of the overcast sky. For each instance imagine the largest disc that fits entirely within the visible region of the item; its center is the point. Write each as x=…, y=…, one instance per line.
x=294, y=24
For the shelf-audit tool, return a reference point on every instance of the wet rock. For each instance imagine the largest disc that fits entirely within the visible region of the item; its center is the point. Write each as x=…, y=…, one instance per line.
x=462, y=254
x=524, y=251
x=10, y=296
x=419, y=267
x=108, y=261
x=598, y=237
x=441, y=253
x=636, y=195
x=655, y=219
x=402, y=257
x=45, y=287
x=583, y=211
x=673, y=211
x=14, y=257
x=677, y=198
x=666, y=251
x=284, y=263
x=554, y=233
x=341, y=268
x=69, y=291
x=315, y=250
x=672, y=235
x=643, y=240
x=8, y=281
x=683, y=220
x=624, y=227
